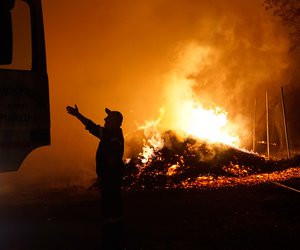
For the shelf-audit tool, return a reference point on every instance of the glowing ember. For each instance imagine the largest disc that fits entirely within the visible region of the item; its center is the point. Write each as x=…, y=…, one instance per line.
x=213, y=182
x=198, y=164
x=221, y=181
x=172, y=169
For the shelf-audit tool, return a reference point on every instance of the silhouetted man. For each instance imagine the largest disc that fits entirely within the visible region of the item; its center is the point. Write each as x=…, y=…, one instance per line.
x=109, y=162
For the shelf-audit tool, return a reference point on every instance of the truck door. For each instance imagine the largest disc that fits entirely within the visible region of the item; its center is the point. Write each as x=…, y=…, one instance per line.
x=24, y=94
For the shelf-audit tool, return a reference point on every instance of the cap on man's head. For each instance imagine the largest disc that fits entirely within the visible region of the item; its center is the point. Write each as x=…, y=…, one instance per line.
x=116, y=116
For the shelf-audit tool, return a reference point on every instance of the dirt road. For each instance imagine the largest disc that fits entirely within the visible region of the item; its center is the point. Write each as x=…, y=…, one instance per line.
x=259, y=217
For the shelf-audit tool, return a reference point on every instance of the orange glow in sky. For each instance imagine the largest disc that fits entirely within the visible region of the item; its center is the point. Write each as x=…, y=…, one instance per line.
x=124, y=55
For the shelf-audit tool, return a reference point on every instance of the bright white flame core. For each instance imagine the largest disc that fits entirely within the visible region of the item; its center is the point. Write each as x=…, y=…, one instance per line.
x=211, y=125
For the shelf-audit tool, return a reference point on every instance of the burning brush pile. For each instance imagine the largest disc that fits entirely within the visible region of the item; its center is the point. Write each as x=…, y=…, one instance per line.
x=168, y=162
x=202, y=147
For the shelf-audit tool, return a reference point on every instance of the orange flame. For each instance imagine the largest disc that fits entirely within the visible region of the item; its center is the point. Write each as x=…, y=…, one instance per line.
x=153, y=141
x=185, y=114
x=185, y=111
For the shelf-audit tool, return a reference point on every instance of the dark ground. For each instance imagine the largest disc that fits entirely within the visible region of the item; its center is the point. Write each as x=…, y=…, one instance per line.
x=259, y=217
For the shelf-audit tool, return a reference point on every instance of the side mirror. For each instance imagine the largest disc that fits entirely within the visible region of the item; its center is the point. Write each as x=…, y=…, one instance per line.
x=6, y=39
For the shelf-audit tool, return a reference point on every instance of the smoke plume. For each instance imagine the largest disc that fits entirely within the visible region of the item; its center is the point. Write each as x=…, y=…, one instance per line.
x=140, y=56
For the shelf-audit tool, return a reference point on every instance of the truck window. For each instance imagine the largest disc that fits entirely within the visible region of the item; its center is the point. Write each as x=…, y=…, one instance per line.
x=22, y=51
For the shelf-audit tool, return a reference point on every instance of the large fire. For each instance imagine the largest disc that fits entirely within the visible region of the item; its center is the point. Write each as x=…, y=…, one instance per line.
x=185, y=113
x=191, y=145
x=185, y=110
x=168, y=161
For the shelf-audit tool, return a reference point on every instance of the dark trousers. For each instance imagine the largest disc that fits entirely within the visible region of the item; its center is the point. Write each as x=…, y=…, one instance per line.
x=112, y=205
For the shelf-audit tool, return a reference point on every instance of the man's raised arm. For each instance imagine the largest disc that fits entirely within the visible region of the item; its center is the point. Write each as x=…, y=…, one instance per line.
x=75, y=112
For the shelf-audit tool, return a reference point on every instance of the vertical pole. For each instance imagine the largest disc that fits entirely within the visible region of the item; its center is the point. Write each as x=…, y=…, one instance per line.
x=254, y=128
x=284, y=124
x=267, y=120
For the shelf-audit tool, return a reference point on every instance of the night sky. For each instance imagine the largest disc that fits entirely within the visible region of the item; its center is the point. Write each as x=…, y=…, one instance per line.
x=121, y=54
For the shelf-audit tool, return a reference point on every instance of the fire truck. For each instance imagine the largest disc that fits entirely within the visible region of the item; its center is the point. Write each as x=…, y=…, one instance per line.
x=24, y=92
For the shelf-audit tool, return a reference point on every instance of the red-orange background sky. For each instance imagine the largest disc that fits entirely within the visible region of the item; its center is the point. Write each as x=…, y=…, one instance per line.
x=116, y=53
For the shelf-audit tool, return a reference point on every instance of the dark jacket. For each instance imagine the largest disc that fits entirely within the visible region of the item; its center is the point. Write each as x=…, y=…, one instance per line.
x=109, y=156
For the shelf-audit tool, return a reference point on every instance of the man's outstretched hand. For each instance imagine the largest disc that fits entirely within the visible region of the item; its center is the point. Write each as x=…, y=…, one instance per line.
x=73, y=110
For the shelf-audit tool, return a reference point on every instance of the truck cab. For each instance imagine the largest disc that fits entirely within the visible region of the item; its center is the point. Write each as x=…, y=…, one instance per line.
x=24, y=92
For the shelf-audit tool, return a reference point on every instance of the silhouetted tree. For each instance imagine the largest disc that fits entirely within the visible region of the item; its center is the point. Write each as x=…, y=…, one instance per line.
x=289, y=12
